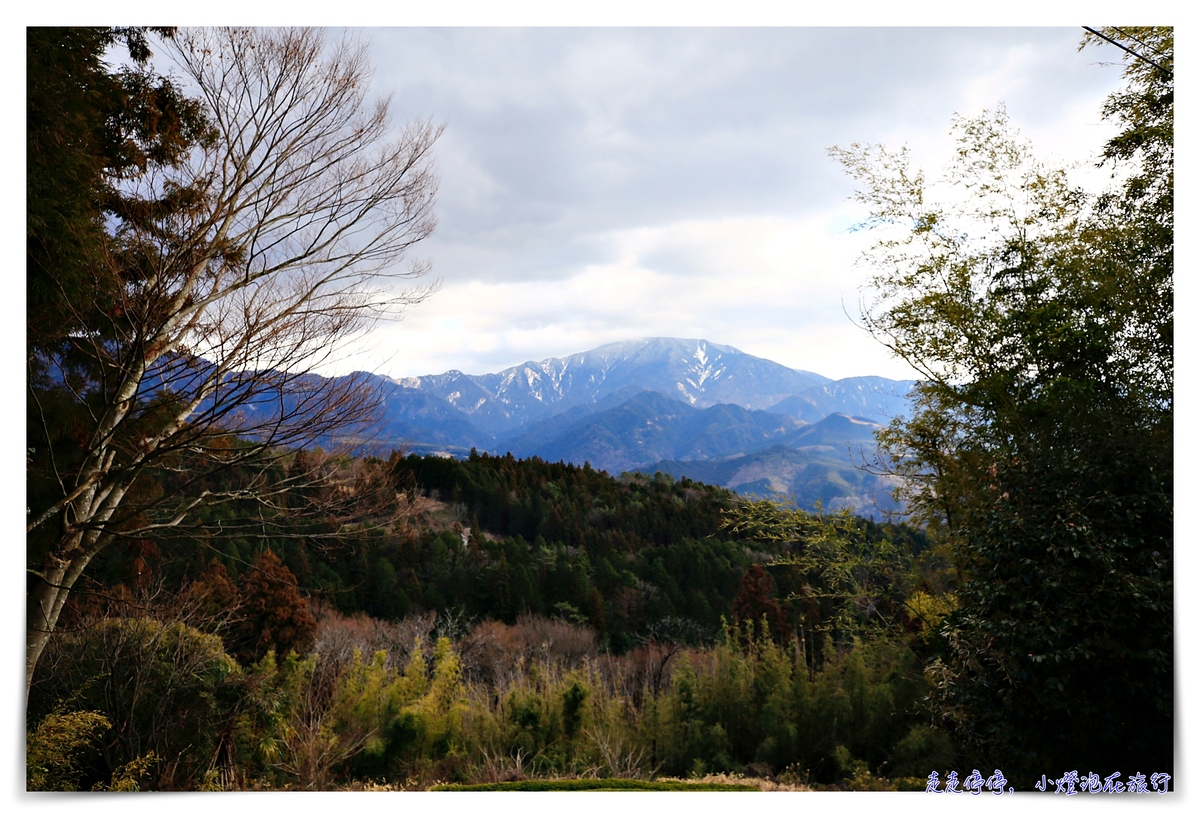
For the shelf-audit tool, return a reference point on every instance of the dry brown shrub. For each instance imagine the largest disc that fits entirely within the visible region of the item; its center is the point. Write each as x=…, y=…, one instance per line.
x=496, y=653
x=339, y=635
x=763, y=784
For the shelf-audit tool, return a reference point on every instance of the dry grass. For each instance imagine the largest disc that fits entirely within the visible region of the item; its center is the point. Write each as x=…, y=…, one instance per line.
x=763, y=784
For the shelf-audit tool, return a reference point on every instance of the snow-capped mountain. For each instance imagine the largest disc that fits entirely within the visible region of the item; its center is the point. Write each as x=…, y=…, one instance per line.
x=688, y=407
x=697, y=372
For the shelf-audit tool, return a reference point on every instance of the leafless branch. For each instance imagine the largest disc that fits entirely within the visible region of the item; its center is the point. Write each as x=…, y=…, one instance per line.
x=278, y=240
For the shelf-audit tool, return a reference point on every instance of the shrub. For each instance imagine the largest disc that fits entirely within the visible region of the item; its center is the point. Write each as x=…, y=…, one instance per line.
x=55, y=750
x=169, y=690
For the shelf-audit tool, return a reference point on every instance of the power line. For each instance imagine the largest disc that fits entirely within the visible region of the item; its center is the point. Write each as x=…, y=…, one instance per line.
x=1142, y=43
x=1130, y=50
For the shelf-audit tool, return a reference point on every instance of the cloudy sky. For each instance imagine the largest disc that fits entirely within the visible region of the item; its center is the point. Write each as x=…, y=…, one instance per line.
x=600, y=184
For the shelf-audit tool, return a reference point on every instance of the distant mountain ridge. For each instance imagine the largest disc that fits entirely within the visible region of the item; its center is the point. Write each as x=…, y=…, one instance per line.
x=650, y=427
x=697, y=372
x=811, y=476
x=687, y=407
x=868, y=397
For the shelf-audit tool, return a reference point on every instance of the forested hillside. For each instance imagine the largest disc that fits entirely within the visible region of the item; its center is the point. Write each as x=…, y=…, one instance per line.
x=600, y=588
x=496, y=537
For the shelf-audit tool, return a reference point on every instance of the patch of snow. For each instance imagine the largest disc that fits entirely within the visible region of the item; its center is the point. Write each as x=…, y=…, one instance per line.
x=690, y=397
x=530, y=378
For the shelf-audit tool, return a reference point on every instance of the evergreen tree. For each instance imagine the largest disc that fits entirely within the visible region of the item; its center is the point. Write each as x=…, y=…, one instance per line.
x=273, y=614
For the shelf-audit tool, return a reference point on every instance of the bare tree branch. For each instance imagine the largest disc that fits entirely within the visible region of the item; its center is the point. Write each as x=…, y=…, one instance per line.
x=277, y=240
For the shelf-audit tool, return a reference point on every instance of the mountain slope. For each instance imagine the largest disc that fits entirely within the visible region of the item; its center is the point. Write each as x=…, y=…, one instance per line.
x=811, y=476
x=871, y=397
x=835, y=431
x=819, y=463
x=697, y=372
x=651, y=426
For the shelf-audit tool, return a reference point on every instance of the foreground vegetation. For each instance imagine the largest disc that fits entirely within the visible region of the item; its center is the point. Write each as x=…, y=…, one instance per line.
x=681, y=635
x=135, y=703
x=598, y=785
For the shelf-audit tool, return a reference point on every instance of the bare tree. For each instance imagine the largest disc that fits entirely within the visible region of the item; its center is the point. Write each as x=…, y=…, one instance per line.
x=242, y=268
x=313, y=739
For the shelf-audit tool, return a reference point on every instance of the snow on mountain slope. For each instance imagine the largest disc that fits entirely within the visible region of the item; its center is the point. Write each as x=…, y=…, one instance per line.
x=698, y=372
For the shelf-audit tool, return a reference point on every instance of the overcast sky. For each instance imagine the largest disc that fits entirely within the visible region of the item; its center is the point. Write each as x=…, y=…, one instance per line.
x=605, y=184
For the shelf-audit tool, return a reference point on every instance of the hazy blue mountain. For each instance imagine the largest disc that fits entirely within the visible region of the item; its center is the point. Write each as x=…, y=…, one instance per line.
x=407, y=419
x=807, y=476
x=651, y=426
x=837, y=431
x=874, y=398
x=696, y=372
x=819, y=463
x=532, y=436
x=688, y=407
x=414, y=417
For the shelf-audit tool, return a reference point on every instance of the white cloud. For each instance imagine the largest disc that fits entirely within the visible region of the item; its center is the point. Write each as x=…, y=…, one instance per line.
x=756, y=283
x=601, y=184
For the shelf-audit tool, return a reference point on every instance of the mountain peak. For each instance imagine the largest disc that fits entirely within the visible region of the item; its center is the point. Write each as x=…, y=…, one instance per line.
x=686, y=401
x=693, y=370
